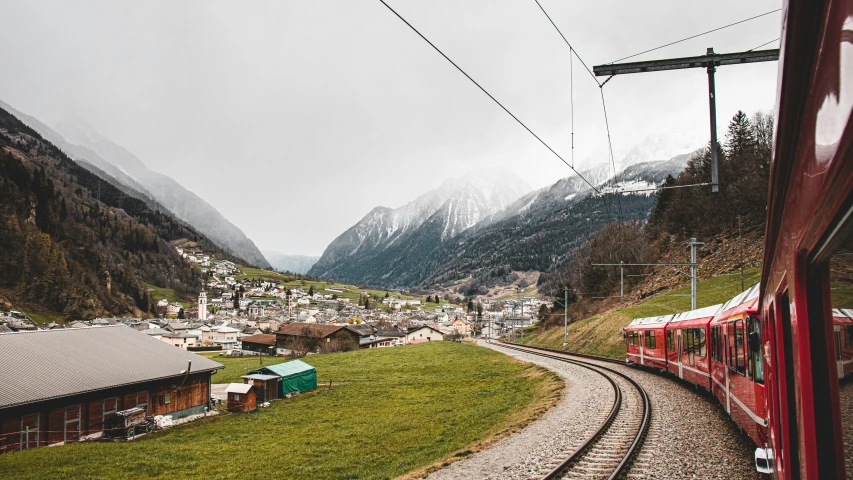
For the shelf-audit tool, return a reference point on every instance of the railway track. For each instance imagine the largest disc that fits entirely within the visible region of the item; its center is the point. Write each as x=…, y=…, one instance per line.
x=609, y=451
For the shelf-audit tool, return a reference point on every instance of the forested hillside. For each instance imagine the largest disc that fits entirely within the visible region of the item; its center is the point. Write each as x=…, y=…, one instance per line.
x=73, y=242
x=730, y=222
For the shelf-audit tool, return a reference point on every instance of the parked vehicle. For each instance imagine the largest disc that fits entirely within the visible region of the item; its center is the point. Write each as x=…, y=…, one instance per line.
x=128, y=423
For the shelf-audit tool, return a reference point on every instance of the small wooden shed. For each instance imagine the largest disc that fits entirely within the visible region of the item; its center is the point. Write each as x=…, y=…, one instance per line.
x=241, y=397
x=265, y=386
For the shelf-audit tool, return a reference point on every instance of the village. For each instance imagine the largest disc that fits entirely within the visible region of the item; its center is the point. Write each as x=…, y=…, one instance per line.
x=247, y=317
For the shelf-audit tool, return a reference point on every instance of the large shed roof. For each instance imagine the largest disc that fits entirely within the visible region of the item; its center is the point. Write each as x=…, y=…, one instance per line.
x=286, y=369
x=44, y=364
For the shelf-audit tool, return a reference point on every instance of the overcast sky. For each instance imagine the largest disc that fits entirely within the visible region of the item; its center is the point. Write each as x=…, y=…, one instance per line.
x=295, y=118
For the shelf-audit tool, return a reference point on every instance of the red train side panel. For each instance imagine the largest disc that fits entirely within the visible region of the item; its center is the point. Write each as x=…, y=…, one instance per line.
x=646, y=341
x=688, y=345
x=809, y=246
x=737, y=370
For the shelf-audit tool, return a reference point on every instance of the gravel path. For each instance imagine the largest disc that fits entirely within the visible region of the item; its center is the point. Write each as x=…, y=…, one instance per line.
x=525, y=454
x=690, y=436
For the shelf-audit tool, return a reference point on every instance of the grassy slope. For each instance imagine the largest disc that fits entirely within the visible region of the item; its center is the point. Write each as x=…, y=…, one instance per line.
x=290, y=281
x=395, y=410
x=602, y=334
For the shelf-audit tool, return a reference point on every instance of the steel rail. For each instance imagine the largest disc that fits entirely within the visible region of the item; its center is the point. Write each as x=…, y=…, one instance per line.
x=633, y=449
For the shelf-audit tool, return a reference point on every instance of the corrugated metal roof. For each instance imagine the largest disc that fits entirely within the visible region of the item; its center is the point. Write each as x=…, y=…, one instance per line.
x=260, y=376
x=44, y=364
x=238, y=388
x=286, y=369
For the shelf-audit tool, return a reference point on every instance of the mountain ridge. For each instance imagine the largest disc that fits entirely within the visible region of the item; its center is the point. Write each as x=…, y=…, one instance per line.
x=119, y=163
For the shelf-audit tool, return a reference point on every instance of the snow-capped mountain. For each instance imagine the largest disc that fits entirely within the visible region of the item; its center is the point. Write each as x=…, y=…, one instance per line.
x=482, y=225
x=290, y=263
x=430, y=220
x=99, y=154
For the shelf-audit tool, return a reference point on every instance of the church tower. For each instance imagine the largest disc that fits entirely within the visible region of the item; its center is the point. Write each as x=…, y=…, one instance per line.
x=202, y=306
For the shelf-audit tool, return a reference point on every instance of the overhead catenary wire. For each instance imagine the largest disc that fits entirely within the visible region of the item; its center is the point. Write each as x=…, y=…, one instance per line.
x=572, y=52
x=698, y=35
x=573, y=49
x=493, y=98
x=764, y=44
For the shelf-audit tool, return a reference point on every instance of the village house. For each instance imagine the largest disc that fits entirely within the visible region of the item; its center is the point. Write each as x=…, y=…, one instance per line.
x=259, y=343
x=181, y=340
x=423, y=333
x=316, y=337
x=103, y=370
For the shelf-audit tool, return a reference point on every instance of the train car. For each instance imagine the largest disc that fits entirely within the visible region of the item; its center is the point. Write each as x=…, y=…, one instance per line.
x=842, y=320
x=687, y=338
x=737, y=368
x=644, y=338
x=809, y=247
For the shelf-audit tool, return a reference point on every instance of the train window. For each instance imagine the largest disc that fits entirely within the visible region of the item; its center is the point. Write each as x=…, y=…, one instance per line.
x=740, y=345
x=670, y=340
x=689, y=344
x=632, y=338
x=716, y=344
x=838, y=363
x=700, y=342
x=650, y=339
x=756, y=360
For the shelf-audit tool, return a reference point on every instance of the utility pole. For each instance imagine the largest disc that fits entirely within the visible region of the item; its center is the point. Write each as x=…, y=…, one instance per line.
x=621, y=280
x=740, y=245
x=565, y=315
x=521, y=318
x=693, y=244
x=709, y=61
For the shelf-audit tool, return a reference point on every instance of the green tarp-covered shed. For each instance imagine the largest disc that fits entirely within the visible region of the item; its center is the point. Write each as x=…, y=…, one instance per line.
x=296, y=376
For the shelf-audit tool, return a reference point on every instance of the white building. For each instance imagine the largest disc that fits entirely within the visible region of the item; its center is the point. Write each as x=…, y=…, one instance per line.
x=202, y=306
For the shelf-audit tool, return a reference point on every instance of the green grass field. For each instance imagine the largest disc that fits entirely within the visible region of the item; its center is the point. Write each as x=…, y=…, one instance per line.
x=159, y=293
x=391, y=411
x=289, y=281
x=46, y=317
x=602, y=334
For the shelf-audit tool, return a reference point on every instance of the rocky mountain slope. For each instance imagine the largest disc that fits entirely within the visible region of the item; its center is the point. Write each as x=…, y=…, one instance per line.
x=100, y=155
x=379, y=248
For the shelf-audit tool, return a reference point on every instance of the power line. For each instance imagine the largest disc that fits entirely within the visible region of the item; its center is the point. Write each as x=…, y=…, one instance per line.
x=493, y=98
x=764, y=44
x=610, y=145
x=698, y=35
x=604, y=107
x=571, y=48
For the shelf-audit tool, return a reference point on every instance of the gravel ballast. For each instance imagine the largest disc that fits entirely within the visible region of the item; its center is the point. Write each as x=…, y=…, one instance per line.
x=690, y=435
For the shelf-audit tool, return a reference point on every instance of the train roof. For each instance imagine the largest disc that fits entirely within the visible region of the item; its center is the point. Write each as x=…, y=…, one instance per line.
x=846, y=313
x=705, y=312
x=662, y=319
x=747, y=295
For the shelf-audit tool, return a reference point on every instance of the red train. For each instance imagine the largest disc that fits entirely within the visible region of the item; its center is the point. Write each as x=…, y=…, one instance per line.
x=783, y=358
x=806, y=279
x=719, y=348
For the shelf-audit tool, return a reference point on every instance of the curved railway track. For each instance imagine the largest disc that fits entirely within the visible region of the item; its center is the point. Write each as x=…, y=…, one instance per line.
x=608, y=452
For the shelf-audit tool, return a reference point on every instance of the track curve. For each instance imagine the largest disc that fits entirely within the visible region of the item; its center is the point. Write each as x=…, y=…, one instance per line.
x=608, y=452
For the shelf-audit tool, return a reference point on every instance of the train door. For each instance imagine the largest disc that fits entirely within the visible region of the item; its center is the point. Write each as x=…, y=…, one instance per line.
x=839, y=358
x=726, y=362
x=640, y=347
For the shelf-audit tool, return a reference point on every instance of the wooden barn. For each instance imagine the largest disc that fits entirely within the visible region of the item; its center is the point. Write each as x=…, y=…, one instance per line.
x=266, y=386
x=63, y=385
x=241, y=397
